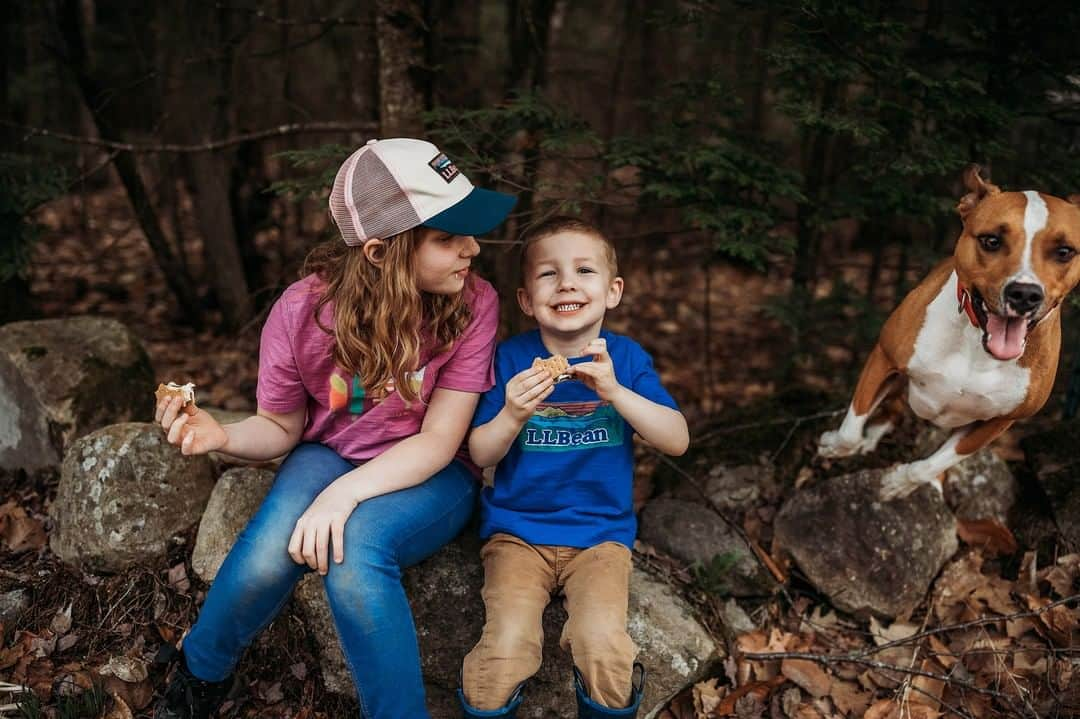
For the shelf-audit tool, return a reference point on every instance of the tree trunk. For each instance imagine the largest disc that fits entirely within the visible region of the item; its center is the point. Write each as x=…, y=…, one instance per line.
x=202, y=103
x=403, y=81
x=70, y=46
x=528, y=24
x=808, y=236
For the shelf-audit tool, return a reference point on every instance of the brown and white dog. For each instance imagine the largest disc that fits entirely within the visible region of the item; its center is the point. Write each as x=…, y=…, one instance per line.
x=974, y=347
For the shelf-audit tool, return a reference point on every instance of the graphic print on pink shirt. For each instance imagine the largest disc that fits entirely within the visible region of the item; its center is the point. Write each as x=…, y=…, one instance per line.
x=356, y=399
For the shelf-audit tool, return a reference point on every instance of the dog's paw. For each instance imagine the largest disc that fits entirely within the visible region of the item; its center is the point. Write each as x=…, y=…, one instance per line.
x=833, y=444
x=902, y=479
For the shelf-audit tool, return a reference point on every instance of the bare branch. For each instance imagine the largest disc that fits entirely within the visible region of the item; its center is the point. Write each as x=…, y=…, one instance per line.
x=208, y=146
x=965, y=625
x=830, y=659
x=260, y=14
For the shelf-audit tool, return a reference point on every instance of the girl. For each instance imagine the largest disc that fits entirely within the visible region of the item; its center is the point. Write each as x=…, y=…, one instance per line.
x=369, y=371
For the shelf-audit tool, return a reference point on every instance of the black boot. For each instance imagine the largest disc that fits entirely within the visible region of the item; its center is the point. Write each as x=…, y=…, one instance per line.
x=188, y=697
x=588, y=709
x=508, y=710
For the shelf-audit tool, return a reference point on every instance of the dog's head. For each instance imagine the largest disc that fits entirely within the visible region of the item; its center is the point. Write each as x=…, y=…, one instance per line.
x=1018, y=258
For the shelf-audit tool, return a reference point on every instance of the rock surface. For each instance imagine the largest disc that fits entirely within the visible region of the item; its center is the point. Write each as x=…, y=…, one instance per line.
x=123, y=493
x=980, y=487
x=444, y=592
x=236, y=496
x=868, y=556
x=696, y=535
x=63, y=378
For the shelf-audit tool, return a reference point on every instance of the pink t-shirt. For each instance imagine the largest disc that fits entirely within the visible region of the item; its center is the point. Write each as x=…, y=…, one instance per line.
x=296, y=369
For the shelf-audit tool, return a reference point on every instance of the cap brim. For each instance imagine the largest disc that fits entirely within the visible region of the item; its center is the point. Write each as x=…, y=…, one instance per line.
x=478, y=214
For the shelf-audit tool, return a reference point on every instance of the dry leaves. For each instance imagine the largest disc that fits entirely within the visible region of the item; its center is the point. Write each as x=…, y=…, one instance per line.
x=19, y=531
x=990, y=646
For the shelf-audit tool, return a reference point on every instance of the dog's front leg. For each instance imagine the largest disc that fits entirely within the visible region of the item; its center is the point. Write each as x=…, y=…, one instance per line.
x=877, y=381
x=903, y=479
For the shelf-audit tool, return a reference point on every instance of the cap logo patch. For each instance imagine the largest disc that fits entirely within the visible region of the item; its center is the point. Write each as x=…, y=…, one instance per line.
x=447, y=170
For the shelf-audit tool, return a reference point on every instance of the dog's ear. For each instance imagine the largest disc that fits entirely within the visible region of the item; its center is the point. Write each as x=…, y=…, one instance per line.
x=1074, y=199
x=977, y=189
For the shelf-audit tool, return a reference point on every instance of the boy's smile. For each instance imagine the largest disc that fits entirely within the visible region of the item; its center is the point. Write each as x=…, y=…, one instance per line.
x=568, y=287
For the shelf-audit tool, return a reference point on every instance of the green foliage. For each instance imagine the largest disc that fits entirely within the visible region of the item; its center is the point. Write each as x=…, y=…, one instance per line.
x=319, y=164
x=25, y=184
x=79, y=704
x=29, y=706
x=713, y=576
x=724, y=183
x=844, y=317
x=505, y=144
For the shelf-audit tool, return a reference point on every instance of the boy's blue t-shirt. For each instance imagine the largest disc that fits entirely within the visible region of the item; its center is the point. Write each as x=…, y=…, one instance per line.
x=568, y=477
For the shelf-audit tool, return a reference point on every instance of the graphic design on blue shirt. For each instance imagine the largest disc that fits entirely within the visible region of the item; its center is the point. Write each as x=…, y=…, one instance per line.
x=565, y=427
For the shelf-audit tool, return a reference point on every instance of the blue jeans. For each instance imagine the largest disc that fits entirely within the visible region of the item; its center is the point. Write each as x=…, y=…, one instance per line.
x=382, y=536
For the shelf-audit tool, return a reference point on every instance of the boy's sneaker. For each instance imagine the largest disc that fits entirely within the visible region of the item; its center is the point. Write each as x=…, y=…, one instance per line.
x=188, y=697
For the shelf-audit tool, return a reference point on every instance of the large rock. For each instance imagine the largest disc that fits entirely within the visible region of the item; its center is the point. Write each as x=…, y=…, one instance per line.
x=236, y=496
x=868, y=556
x=60, y=379
x=695, y=534
x=980, y=487
x=124, y=492
x=444, y=593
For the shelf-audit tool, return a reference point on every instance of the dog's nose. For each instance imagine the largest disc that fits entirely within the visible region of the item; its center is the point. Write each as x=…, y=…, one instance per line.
x=1023, y=296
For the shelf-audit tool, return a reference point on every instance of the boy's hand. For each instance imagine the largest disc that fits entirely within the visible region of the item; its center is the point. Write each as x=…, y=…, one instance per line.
x=599, y=374
x=197, y=433
x=525, y=391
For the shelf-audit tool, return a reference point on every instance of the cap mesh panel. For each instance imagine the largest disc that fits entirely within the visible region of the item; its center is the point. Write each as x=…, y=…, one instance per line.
x=383, y=206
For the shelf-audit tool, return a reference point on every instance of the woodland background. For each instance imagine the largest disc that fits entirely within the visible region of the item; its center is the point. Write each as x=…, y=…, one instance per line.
x=776, y=175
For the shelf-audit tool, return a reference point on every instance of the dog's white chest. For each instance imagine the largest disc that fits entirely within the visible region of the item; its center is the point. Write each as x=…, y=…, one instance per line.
x=953, y=381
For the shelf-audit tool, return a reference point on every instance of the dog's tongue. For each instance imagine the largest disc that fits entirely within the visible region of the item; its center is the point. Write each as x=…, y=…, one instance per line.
x=1006, y=336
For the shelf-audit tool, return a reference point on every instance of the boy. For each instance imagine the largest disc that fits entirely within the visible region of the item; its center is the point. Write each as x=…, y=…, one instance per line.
x=560, y=517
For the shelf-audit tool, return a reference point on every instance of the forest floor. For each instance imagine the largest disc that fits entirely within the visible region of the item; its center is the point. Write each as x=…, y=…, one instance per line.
x=990, y=638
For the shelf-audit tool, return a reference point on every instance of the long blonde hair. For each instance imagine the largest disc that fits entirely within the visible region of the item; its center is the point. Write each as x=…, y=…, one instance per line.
x=380, y=313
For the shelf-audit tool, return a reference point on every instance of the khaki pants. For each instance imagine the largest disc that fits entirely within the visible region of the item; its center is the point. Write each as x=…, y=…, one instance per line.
x=519, y=581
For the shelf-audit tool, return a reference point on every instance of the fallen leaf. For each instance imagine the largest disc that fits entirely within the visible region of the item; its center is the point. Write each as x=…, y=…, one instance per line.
x=990, y=535
x=127, y=669
x=118, y=710
x=61, y=621
x=927, y=690
x=1058, y=624
x=807, y=675
x=135, y=695
x=759, y=689
x=178, y=578
x=849, y=698
x=67, y=642
x=271, y=693
x=706, y=698
x=19, y=531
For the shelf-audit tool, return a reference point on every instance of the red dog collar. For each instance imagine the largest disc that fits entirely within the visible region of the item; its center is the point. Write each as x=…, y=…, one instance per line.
x=964, y=298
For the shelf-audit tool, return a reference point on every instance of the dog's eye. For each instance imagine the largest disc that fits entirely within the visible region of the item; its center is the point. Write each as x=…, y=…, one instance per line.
x=990, y=243
x=1064, y=253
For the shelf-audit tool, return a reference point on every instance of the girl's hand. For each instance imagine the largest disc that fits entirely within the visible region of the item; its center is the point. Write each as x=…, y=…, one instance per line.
x=599, y=374
x=322, y=525
x=197, y=433
x=525, y=391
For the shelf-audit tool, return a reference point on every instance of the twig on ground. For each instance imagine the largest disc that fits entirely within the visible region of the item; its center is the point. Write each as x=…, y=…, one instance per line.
x=830, y=659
